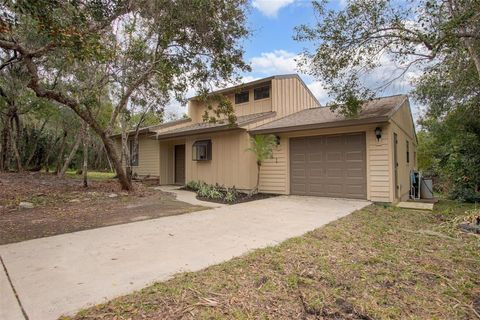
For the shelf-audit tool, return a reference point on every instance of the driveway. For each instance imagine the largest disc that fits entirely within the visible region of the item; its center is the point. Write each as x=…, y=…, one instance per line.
x=62, y=274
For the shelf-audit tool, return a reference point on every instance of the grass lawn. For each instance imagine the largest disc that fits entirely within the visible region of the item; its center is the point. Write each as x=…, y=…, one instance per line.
x=378, y=263
x=92, y=175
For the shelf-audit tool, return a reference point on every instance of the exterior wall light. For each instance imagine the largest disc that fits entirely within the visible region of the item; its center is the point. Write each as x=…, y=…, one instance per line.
x=378, y=133
x=277, y=139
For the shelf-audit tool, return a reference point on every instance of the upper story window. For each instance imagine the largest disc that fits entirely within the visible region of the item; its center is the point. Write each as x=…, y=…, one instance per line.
x=241, y=97
x=261, y=93
x=202, y=150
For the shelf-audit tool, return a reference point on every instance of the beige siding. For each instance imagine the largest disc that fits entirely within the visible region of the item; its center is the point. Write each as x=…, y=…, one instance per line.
x=275, y=173
x=196, y=109
x=290, y=95
x=231, y=165
x=148, y=157
x=378, y=165
x=167, y=160
x=402, y=125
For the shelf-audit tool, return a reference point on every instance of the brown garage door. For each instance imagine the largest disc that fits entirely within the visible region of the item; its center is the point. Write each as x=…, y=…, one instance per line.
x=329, y=166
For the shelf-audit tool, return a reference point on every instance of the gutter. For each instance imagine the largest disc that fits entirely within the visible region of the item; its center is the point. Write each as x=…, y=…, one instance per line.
x=333, y=124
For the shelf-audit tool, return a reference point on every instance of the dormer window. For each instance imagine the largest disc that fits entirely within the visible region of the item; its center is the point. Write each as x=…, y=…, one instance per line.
x=241, y=97
x=261, y=93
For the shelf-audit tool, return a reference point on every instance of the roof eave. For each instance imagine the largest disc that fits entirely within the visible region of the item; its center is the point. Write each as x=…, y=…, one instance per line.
x=332, y=124
x=195, y=132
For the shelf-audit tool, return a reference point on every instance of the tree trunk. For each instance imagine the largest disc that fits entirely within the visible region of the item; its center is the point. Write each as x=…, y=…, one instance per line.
x=5, y=144
x=16, y=153
x=72, y=154
x=35, y=144
x=62, y=151
x=85, y=157
x=117, y=164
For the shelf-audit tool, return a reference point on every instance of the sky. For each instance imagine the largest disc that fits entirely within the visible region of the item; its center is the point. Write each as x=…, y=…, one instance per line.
x=271, y=49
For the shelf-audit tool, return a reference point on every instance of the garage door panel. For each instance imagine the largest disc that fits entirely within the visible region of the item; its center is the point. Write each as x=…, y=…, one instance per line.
x=331, y=166
x=315, y=173
x=354, y=156
x=355, y=173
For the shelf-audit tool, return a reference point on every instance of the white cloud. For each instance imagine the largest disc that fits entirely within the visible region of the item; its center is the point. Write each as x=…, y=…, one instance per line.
x=319, y=92
x=278, y=61
x=270, y=8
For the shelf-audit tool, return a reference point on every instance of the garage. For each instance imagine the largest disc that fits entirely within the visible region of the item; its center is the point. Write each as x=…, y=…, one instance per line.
x=329, y=166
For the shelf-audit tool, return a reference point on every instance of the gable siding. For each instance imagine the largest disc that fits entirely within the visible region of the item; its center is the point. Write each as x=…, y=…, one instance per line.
x=289, y=95
x=401, y=123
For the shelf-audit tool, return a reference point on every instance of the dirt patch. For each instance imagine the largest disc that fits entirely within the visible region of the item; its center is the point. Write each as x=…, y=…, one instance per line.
x=63, y=205
x=368, y=265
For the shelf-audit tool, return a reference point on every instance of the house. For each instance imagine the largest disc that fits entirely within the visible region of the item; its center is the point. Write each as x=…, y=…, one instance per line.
x=318, y=152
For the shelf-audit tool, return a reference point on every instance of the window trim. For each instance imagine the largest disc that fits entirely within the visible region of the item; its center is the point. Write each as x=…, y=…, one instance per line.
x=207, y=144
x=259, y=88
x=238, y=94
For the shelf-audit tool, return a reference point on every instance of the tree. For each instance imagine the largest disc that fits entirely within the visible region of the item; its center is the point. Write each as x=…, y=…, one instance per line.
x=262, y=146
x=75, y=52
x=449, y=143
x=355, y=41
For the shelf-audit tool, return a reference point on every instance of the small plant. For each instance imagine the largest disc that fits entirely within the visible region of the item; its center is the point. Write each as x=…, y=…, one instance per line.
x=214, y=193
x=231, y=194
x=203, y=190
x=195, y=185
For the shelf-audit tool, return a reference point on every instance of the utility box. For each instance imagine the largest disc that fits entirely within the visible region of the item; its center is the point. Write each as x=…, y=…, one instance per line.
x=426, y=188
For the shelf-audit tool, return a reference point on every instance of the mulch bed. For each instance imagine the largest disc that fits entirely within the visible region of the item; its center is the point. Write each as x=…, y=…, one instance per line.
x=63, y=205
x=241, y=197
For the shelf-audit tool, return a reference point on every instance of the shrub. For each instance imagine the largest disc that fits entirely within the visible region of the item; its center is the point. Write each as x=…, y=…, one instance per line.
x=195, y=185
x=231, y=194
x=203, y=190
x=214, y=193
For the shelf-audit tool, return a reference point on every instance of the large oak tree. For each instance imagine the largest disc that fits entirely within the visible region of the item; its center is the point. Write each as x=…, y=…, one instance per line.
x=76, y=52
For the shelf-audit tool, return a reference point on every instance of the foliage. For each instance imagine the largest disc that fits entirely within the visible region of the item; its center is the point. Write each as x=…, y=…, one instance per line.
x=195, y=185
x=356, y=41
x=213, y=192
x=114, y=56
x=219, y=108
x=262, y=146
x=450, y=150
x=231, y=194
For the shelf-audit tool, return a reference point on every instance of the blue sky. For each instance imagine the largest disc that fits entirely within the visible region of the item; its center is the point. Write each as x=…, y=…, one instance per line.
x=272, y=50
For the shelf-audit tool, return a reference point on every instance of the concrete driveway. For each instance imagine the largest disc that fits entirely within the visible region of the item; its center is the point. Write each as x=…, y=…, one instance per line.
x=62, y=274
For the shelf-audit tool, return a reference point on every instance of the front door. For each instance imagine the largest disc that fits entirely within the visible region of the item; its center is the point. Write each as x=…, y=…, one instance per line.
x=180, y=164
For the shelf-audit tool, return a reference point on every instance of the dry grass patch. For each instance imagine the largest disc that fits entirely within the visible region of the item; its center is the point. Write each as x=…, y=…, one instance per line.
x=378, y=263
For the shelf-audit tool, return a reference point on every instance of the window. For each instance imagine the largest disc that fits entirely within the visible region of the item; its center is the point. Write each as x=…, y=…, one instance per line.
x=241, y=97
x=133, y=152
x=408, y=152
x=261, y=93
x=202, y=150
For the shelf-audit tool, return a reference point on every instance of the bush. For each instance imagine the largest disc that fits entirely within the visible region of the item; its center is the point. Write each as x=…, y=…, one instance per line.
x=231, y=194
x=214, y=192
x=195, y=185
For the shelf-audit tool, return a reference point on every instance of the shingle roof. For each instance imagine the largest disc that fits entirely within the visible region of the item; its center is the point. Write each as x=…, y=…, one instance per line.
x=377, y=110
x=203, y=127
x=152, y=129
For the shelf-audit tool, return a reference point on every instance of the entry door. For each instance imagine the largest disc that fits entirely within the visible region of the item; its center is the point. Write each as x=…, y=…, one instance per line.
x=329, y=166
x=395, y=163
x=180, y=164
